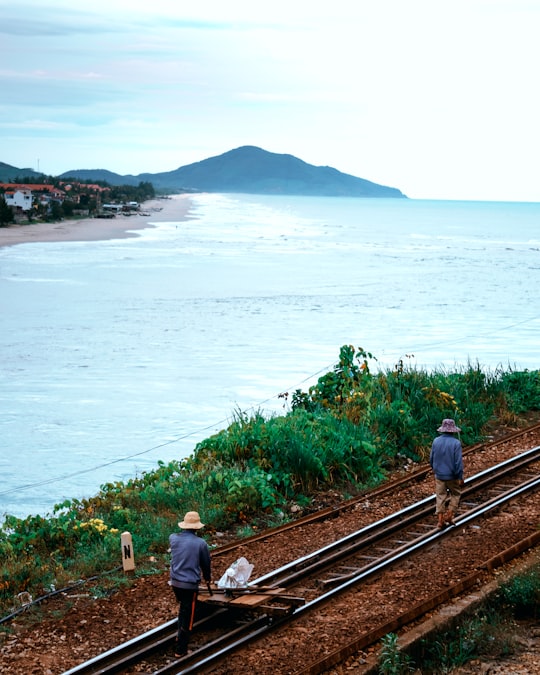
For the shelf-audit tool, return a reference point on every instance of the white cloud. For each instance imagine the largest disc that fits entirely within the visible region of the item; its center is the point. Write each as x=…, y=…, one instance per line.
x=437, y=99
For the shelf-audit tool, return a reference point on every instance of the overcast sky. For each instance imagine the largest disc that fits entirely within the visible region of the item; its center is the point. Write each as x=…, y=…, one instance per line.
x=437, y=98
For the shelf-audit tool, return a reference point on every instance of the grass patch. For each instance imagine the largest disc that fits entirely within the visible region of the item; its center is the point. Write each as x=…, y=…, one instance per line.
x=488, y=633
x=345, y=434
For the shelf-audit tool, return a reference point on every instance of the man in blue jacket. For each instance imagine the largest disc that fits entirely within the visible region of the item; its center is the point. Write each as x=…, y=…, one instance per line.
x=446, y=459
x=190, y=556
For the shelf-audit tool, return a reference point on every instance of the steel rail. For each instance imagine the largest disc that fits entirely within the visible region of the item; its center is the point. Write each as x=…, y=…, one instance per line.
x=199, y=665
x=420, y=610
x=333, y=511
x=391, y=524
x=321, y=514
x=135, y=650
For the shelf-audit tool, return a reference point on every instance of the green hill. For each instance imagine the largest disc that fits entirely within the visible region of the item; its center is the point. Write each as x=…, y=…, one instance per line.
x=10, y=174
x=249, y=170
x=255, y=171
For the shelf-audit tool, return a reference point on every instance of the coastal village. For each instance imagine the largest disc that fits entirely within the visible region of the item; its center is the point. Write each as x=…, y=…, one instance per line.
x=24, y=198
x=23, y=202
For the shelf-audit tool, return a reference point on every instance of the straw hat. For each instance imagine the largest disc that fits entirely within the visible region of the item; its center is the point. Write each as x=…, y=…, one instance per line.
x=448, y=427
x=191, y=521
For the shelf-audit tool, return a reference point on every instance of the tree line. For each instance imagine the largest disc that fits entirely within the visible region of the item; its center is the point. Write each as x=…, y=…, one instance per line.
x=82, y=196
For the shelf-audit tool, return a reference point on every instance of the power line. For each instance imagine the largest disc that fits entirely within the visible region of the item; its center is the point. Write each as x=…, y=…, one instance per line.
x=56, y=479
x=224, y=421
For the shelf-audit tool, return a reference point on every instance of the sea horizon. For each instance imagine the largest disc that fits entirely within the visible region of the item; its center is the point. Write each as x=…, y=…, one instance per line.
x=125, y=352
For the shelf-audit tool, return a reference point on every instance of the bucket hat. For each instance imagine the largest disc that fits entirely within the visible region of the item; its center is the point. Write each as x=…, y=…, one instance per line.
x=191, y=521
x=448, y=427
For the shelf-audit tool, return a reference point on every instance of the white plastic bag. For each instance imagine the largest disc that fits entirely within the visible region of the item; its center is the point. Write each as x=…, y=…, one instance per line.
x=237, y=575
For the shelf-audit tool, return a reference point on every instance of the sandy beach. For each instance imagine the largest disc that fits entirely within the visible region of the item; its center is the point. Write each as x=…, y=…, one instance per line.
x=95, y=229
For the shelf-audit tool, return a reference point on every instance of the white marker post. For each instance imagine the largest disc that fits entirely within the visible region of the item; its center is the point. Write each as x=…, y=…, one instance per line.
x=128, y=559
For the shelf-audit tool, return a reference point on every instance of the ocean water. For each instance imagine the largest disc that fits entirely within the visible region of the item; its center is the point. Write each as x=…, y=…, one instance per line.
x=122, y=353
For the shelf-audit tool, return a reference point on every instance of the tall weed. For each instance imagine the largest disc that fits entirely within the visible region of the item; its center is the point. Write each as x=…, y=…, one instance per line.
x=344, y=433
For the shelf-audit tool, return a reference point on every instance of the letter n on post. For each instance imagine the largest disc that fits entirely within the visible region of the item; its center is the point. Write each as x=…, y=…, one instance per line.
x=128, y=559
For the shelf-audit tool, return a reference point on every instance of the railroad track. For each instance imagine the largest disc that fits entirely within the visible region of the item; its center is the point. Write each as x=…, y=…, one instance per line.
x=411, y=478
x=304, y=585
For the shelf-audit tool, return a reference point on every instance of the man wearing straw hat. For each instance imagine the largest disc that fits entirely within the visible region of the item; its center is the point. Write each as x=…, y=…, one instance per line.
x=446, y=459
x=190, y=556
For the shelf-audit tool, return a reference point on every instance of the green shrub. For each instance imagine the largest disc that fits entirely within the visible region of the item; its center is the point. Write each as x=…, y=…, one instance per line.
x=486, y=633
x=343, y=434
x=522, y=593
x=392, y=661
x=483, y=634
x=522, y=390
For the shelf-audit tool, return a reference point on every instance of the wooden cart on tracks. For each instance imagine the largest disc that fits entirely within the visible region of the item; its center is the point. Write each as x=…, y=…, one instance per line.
x=260, y=599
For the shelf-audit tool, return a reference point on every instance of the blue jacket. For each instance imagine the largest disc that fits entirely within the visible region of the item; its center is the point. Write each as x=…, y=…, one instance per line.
x=446, y=458
x=189, y=556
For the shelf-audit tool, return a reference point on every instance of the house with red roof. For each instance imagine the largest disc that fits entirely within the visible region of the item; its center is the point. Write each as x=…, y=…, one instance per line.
x=19, y=199
x=20, y=196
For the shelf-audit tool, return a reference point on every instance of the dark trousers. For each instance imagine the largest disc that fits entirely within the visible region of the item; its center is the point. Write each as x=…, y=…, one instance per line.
x=187, y=600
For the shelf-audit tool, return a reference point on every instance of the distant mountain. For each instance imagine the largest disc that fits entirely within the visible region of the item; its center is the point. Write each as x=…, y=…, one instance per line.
x=255, y=171
x=9, y=174
x=101, y=174
x=250, y=170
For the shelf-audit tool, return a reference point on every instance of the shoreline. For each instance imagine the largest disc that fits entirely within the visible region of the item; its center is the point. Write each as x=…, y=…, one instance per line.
x=175, y=208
